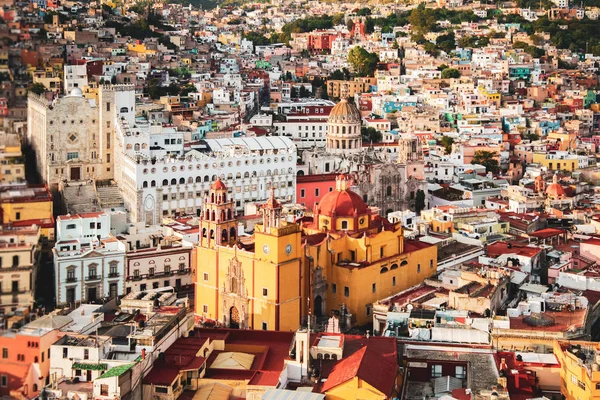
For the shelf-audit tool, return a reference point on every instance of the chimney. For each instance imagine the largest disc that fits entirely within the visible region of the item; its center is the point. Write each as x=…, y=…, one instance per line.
x=143, y=354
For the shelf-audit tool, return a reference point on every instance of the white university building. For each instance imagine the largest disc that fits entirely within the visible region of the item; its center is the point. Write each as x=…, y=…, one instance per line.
x=160, y=173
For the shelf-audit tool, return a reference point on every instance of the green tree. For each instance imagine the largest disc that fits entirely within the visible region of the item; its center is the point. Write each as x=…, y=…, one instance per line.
x=362, y=61
x=450, y=73
x=422, y=19
x=446, y=42
x=258, y=39
x=337, y=75
x=370, y=135
x=447, y=142
x=487, y=159
x=419, y=202
x=38, y=88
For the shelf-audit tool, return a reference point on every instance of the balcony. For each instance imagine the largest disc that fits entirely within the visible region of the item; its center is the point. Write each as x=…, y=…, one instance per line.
x=92, y=278
x=183, y=271
x=113, y=275
x=71, y=280
x=14, y=291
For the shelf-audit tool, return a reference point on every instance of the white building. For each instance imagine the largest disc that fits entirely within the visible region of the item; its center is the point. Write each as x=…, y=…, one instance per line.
x=159, y=176
x=78, y=356
x=89, y=261
x=75, y=77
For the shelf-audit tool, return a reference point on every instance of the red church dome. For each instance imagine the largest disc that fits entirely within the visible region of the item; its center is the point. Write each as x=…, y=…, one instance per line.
x=342, y=203
x=555, y=190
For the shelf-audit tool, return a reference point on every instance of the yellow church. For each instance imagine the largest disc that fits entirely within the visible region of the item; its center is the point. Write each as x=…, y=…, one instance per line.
x=343, y=258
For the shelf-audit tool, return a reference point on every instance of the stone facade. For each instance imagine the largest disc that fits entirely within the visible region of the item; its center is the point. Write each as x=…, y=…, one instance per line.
x=73, y=136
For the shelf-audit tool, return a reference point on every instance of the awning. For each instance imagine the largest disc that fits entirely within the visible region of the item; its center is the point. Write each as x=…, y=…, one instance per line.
x=91, y=367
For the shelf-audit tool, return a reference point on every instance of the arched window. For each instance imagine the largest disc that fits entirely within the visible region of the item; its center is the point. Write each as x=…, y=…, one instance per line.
x=229, y=216
x=224, y=235
x=213, y=217
x=238, y=175
x=232, y=233
x=136, y=147
x=182, y=181
x=165, y=182
x=388, y=191
x=153, y=184
x=145, y=184
x=212, y=197
x=246, y=175
x=383, y=270
x=214, y=178
x=212, y=234
x=190, y=180
x=203, y=232
x=394, y=266
x=173, y=181
x=206, y=178
x=222, y=215
x=198, y=179
x=207, y=215
x=403, y=263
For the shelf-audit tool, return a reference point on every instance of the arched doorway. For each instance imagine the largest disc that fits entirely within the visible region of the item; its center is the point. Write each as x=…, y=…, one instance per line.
x=318, y=306
x=234, y=318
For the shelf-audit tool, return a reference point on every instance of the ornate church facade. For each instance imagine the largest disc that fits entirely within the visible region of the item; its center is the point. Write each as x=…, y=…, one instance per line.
x=389, y=185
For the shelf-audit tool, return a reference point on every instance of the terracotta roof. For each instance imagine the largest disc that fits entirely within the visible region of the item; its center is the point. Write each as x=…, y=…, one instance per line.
x=218, y=185
x=367, y=365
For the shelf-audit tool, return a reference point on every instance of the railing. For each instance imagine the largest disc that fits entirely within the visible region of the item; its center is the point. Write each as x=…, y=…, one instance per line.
x=14, y=291
x=71, y=280
x=92, y=277
x=113, y=275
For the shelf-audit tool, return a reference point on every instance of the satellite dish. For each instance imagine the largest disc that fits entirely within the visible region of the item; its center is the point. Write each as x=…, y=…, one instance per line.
x=409, y=307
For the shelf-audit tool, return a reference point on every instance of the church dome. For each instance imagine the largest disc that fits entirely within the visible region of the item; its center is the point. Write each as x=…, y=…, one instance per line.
x=344, y=113
x=76, y=92
x=555, y=190
x=342, y=202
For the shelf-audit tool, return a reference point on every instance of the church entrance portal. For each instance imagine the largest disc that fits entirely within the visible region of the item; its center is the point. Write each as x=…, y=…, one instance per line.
x=318, y=306
x=234, y=318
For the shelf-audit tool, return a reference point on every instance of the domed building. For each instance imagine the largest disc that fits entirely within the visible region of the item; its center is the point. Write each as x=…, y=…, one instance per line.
x=343, y=129
x=384, y=175
x=343, y=258
x=556, y=196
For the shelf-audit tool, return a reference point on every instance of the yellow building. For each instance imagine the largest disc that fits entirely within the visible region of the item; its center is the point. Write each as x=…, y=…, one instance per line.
x=12, y=168
x=580, y=376
x=493, y=97
x=557, y=161
x=355, y=86
x=24, y=206
x=139, y=48
x=344, y=259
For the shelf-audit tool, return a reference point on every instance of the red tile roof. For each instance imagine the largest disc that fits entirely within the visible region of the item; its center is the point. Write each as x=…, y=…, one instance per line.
x=367, y=365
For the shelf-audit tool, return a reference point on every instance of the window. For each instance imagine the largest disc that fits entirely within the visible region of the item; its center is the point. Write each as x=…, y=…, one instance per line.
x=265, y=326
x=436, y=371
x=205, y=276
x=382, y=251
x=431, y=263
x=65, y=352
x=368, y=310
x=72, y=155
x=374, y=288
x=418, y=268
x=86, y=354
x=265, y=292
x=167, y=269
x=344, y=225
x=317, y=192
x=5, y=353
x=460, y=372
x=108, y=157
x=108, y=106
x=4, y=381
x=103, y=390
x=113, y=270
x=393, y=281
x=346, y=291
x=18, y=215
x=333, y=288
x=159, y=389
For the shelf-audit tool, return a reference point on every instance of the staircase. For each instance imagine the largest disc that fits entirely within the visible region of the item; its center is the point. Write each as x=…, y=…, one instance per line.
x=79, y=197
x=109, y=196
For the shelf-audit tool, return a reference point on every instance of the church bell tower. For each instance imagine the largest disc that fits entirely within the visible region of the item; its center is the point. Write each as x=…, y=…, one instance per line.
x=218, y=225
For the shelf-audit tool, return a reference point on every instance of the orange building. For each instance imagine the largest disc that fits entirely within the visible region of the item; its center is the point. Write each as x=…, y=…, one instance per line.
x=25, y=356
